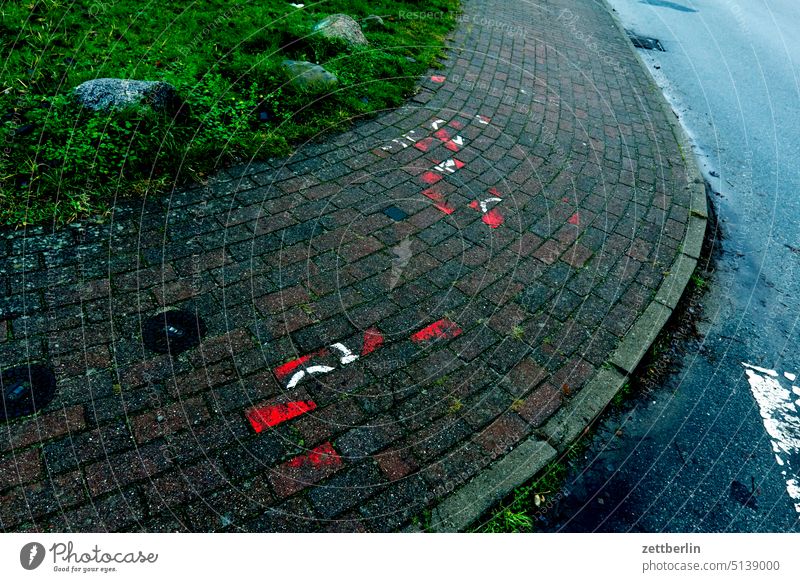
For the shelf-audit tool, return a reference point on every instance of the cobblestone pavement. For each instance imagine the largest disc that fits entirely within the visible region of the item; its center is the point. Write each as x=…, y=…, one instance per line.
x=386, y=313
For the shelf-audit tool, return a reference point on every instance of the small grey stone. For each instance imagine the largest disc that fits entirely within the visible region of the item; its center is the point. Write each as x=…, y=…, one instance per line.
x=310, y=77
x=103, y=94
x=341, y=27
x=373, y=21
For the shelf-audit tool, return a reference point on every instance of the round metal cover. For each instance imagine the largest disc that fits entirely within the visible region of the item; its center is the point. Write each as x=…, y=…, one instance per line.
x=25, y=390
x=173, y=332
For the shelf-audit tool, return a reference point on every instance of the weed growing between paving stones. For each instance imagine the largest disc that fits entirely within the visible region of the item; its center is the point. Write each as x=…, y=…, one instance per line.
x=60, y=161
x=529, y=502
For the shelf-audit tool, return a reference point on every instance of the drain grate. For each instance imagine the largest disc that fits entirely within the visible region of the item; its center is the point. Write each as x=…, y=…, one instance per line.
x=645, y=42
x=173, y=332
x=25, y=390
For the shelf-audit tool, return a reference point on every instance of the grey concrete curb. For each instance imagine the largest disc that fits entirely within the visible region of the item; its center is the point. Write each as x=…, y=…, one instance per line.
x=462, y=508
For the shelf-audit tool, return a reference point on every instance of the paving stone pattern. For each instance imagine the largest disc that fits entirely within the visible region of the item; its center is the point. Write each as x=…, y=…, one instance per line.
x=455, y=270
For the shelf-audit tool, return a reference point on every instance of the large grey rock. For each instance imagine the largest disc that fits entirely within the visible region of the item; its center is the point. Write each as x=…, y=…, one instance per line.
x=310, y=77
x=341, y=27
x=104, y=94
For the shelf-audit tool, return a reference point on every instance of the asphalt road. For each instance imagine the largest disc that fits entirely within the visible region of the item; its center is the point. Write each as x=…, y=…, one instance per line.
x=717, y=447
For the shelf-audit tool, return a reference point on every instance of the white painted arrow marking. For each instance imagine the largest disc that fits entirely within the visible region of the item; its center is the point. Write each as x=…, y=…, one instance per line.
x=438, y=123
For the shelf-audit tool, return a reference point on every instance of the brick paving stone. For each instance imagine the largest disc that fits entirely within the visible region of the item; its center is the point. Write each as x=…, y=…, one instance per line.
x=285, y=258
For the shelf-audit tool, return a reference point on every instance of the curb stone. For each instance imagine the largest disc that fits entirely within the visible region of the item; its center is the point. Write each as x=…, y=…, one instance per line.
x=466, y=505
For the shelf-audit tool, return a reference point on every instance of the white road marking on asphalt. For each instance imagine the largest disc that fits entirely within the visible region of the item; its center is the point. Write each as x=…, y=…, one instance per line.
x=781, y=419
x=789, y=376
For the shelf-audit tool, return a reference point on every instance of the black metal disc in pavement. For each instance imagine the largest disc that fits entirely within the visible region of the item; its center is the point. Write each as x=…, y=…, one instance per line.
x=25, y=390
x=173, y=332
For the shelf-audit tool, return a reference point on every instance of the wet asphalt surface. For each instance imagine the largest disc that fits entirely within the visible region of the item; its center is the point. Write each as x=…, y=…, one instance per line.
x=689, y=452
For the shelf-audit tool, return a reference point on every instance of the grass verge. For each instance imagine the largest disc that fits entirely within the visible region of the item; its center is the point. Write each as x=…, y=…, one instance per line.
x=61, y=161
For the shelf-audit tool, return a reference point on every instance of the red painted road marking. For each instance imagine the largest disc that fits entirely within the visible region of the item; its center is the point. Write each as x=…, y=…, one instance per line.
x=322, y=456
x=424, y=145
x=493, y=218
x=454, y=144
x=442, y=329
x=285, y=369
x=431, y=178
x=574, y=219
x=483, y=119
x=495, y=192
x=373, y=339
x=439, y=200
x=263, y=417
x=442, y=134
x=456, y=124
x=438, y=79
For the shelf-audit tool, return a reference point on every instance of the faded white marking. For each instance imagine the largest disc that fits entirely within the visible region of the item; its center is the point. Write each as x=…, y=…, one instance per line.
x=436, y=124
x=485, y=204
x=347, y=355
x=295, y=380
x=780, y=416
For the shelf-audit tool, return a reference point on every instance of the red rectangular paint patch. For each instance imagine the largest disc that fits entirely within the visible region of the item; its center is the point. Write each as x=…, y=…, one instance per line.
x=263, y=417
x=439, y=201
x=443, y=134
x=442, y=329
x=453, y=147
x=495, y=192
x=424, y=145
x=373, y=339
x=437, y=79
x=493, y=218
x=322, y=456
x=285, y=369
x=431, y=177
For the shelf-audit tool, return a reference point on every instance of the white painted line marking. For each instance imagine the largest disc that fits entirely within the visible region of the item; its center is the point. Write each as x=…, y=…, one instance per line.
x=485, y=204
x=789, y=376
x=347, y=355
x=437, y=123
x=781, y=419
x=311, y=370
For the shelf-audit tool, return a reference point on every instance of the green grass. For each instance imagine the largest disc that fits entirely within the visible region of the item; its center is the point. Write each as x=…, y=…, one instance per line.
x=519, y=513
x=60, y=161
